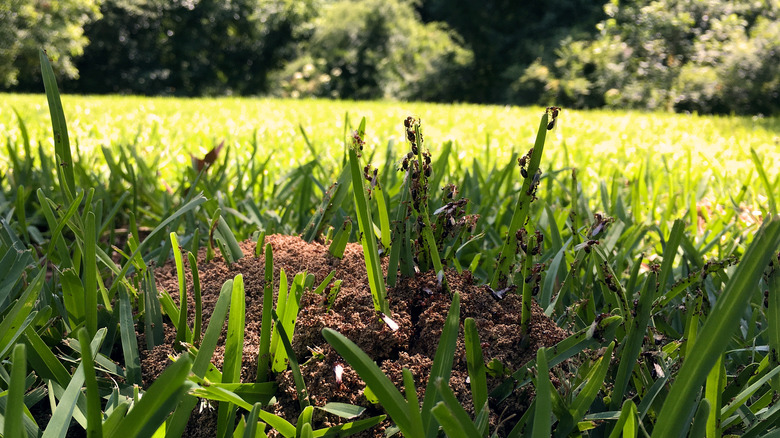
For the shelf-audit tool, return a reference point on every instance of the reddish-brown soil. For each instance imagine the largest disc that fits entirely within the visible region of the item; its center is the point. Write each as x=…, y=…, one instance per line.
x=418, y=305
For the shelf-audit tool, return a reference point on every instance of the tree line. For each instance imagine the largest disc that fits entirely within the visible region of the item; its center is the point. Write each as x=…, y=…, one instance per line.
x=710, y=56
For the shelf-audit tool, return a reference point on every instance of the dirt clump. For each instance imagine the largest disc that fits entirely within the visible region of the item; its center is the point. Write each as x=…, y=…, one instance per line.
x=418, y=305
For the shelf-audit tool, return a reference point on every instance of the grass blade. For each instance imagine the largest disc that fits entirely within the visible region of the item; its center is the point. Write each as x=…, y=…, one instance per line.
x=197, y=330
x=181, y=324
x=94, y=410
x=392, y=400
x=234, y=351
x=715, y=334
x=543, y=400
x=129, y=341
x=442, y=363
x=368, y=239
x=264, y=351
x=159, y=400
x=476, y=365
x=14, y=423
x=60, y=130
x=522, y=207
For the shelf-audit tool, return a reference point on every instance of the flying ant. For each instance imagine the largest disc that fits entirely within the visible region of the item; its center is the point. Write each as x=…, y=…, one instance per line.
x=553, y=111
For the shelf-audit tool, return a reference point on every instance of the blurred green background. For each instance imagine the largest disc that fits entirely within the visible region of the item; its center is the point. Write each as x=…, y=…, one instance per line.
x=708, y=56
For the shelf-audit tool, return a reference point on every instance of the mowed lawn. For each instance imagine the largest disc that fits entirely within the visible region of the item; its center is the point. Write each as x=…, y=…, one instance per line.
x=679, y=156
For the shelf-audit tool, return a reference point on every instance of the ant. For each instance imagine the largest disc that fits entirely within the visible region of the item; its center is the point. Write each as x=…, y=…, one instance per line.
x=553, y=111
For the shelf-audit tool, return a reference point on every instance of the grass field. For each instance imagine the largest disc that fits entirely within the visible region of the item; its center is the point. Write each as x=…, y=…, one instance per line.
x=660, y=253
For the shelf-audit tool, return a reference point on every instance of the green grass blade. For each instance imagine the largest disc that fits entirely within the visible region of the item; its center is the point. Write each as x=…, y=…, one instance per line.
x=773, y=320
x=713, y=393
x=90, y=275
x=200, y=365
x=129, y=341
x=197, y=330
x=670, y=251
x=522, y=207
x=300, y=385
x=770, y=191
x=442, y=363
x=226, y=235
x=94, y=409
x=580, y=405
x=286, y=323
x=264, y=351
x=476, y=365
x=251, y=421
x=626, y=425
x=14, y=423
x=60, y=130
x=384, y=216
x=339, y=243
x=158, y=401
x=234, y=351
x=331, y=202
x=181, y=323
x=543, y=405
x=368, y=239
x=42, y=360
x=16, y=319
x=304, y=419
x=715, y=334
x=632, y=344
x=392, y=400
x=153, y=322
x=61, y=417
x=399, y=232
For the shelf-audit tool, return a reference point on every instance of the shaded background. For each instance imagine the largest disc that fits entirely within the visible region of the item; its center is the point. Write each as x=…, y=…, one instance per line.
x=710, y=56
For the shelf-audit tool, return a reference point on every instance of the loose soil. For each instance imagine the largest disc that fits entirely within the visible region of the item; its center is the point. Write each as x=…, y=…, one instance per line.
x=418, y=305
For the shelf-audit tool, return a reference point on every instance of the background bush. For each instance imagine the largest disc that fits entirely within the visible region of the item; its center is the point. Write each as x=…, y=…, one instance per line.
x=706, y=56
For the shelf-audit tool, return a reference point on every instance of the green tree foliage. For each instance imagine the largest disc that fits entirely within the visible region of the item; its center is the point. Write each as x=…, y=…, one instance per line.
x=190, y=47
x=26, y=26
x=507, y=35
x=376, y=49
x=703, y=55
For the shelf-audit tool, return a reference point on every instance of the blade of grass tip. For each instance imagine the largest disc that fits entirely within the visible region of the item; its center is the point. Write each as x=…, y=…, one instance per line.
x=62, y=414
x=289, y=314
x=522, y=207
x=626, y=425
x=200, y=365
x=42, y=360
x=14, y=424
x=129, y=340
x=90, y=275
x=543, y=408
x=303, y=419
x=158, y=401
x=442, y=363
x=152, y=314
x=632, y=344
x=366, y=225
x=391, y=400
x=196, y=331
x=670, y=251
x=476, y=365
x=94, y=409
x=339, y=243
x=230, y=239
x=21, y=315
x=715, y=333
x=234, y=351
x=324, y=283
x=765, y=181
x=300, y=384
x=251, y=430
x=713, y=393
x=264, y=351
x=181, y=324
x=59, y=128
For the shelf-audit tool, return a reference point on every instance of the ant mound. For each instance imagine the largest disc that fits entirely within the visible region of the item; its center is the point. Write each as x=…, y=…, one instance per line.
x=418, y=305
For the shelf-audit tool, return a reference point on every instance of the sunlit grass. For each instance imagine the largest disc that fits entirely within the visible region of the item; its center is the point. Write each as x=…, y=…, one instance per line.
x=683, y=151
